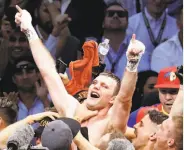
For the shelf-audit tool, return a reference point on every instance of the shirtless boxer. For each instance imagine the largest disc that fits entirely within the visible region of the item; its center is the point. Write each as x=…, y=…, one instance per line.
x=113, y=107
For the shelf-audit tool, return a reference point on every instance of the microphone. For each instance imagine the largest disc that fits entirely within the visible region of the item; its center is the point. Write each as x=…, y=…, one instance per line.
x=21, y=138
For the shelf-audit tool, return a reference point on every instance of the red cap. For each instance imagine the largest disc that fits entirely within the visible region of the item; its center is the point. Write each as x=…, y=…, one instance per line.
x=165, y=80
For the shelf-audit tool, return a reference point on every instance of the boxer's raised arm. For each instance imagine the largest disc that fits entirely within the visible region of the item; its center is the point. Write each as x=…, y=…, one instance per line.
x=123, y=101
x=63, y=102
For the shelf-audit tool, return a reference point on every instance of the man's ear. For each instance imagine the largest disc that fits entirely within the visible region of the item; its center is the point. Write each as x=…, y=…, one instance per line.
x=170, y=142
x=112, y=100
x=152, y=137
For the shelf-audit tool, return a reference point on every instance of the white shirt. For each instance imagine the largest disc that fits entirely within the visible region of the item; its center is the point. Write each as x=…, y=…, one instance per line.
x=137, y=26
x=169, y=53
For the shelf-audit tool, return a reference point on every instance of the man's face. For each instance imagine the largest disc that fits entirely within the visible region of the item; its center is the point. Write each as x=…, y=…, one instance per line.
x=143, y=129
x=156, y=7
x=167, y=97
x=6, y=28
x=164, y=135
x=25, y=76
x=18, y=45
x=44, y=17
x=116, y=18
x=100, y=94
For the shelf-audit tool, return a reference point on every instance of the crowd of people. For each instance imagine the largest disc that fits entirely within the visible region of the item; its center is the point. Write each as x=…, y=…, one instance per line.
x=59, y=92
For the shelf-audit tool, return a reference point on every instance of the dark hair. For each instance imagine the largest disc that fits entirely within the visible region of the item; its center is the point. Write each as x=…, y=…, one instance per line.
x=8, y=115
x=28, y=58
x=142, y=78
x=114, y=77
x=114, y=4
x=157, y=117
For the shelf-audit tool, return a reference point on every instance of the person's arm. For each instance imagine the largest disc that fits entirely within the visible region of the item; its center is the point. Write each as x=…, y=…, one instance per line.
x=177, y=107
x=7, y=132
x=123, y=101
x=44, y=61
x=82, y=143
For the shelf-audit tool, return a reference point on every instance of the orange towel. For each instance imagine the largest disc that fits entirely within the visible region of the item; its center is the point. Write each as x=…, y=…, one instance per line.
x=81, y=70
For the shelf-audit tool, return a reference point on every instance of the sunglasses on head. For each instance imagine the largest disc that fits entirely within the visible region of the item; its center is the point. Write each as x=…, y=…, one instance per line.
x=121, y=14
x=169, y=91
x=20, y=39
x=28, y=68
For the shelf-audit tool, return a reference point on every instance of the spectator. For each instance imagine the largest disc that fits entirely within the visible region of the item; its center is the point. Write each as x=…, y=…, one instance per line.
x=163, y=55
x=156, y=25
x=115, y=26
x=6, y=27
x=50, y=23
x=17, y=46
x=32, y=97
x=170, y=134
x=168, y=91
x=86, y=21
x=129, y=5
x=144, y=86
x=146, y=127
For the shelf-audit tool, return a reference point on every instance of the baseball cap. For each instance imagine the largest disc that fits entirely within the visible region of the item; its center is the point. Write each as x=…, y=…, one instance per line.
x=59, y=134
x=167, y=78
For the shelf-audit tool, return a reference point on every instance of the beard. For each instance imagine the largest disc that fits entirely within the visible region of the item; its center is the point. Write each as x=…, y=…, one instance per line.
x=47, y=26
x=28, y=89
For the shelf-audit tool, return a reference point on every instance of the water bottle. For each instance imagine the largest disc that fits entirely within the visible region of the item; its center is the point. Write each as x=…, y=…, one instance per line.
x=103, y=49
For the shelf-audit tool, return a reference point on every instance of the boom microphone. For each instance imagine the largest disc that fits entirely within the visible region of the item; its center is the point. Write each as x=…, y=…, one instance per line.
x=21, y=138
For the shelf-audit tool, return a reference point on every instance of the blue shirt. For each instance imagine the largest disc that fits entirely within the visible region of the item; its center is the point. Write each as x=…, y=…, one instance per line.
x=36, y=108
x=122, y=62
x=162, y=56
x=137, y=26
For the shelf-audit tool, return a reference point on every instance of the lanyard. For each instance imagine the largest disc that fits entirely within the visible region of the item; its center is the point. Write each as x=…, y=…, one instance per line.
x=120, y=53
x=158, y=39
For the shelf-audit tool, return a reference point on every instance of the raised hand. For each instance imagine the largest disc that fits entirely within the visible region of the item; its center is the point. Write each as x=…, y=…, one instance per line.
x=60, y=22
x=134, y=52
x=24, y=19
x=41, y=89
x=12, y=97
x=42, y=92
